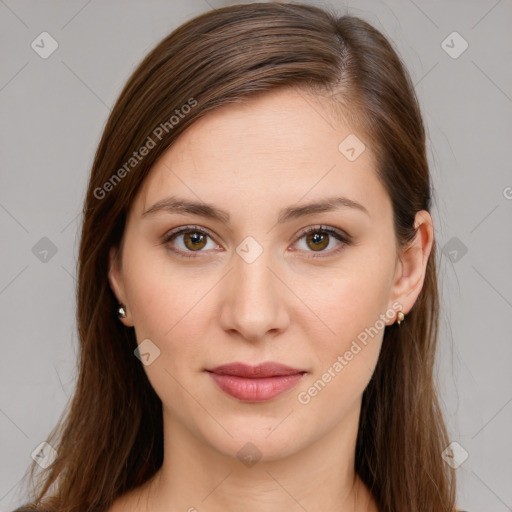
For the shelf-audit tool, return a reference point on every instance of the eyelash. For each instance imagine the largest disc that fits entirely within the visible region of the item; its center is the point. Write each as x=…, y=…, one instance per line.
x=340, y=236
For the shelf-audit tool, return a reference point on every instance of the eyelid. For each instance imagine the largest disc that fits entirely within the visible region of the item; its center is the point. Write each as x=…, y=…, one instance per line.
x=181, y=230
x=329, y=229
x=190, y=227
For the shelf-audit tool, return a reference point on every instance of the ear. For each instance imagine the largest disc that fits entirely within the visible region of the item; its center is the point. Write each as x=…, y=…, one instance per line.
x=412, y=263
x=115, y=278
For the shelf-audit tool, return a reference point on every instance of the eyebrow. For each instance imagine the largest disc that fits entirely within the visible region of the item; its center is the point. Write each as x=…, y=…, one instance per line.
x=183, y=206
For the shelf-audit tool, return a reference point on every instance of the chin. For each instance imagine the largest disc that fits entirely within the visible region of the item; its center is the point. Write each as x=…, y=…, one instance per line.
x=263, y=439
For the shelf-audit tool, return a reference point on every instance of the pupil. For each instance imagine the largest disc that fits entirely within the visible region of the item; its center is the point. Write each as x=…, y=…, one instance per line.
x=318, y=240
x=194, y=238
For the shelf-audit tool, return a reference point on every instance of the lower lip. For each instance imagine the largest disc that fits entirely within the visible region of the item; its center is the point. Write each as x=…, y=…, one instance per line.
x=255, y=390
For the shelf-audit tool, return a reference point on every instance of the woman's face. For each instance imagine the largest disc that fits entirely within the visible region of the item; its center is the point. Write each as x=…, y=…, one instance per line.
x=254, y=288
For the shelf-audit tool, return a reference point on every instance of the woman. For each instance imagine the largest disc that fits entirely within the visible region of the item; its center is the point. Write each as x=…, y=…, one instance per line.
x=257, y=297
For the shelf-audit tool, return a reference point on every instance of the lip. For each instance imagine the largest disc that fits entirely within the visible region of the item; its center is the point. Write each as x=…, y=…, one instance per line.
x=255, y=383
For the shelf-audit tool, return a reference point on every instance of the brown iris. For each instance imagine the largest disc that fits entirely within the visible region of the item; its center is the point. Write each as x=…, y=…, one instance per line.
x=197, y=240
x=320, y=241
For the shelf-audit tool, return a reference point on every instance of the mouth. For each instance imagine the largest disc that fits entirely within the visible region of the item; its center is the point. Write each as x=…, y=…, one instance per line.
x=255, y=383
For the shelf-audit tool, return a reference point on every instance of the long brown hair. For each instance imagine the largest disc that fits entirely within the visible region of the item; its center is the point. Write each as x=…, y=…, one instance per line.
x=110, y=440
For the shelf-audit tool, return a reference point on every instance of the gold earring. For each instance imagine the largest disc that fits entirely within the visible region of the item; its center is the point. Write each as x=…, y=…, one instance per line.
x=400, y=318
x=121, y=312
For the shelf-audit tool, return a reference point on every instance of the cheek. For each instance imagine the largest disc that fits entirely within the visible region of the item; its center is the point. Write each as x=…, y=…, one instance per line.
x=351, y=300
x=155, y=289
x=353, y=308
x=345, y=361
x=170, y=307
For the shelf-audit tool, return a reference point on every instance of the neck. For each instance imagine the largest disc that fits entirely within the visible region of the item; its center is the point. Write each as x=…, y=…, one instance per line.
x=195, y=477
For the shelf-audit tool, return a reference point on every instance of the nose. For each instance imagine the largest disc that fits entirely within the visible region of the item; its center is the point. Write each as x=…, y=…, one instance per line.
x=254, y=299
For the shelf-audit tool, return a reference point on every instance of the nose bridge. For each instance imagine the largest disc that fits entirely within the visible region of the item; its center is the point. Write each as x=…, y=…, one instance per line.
x=253, y=303
x=254, y=280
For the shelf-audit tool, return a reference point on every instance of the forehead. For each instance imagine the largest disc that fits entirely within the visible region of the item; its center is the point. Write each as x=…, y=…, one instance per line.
x=279, y=146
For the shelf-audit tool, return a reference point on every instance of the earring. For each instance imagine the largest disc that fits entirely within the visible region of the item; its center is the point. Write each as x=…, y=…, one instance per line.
x=401, y=317
x=121, y=312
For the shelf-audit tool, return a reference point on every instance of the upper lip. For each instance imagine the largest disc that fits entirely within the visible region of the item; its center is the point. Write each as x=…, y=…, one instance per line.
x=269, y=369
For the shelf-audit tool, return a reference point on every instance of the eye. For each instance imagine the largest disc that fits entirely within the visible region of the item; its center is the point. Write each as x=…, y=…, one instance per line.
x=319, y=238
x=194, y=239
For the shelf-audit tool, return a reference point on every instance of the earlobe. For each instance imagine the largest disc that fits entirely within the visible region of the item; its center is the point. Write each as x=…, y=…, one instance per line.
x=117, y=286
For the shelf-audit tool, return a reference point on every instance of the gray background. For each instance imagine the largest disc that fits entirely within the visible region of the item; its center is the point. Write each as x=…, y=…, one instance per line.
x=53, y=112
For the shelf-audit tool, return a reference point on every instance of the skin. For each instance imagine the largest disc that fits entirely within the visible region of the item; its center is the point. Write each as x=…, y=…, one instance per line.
x=253, y=159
